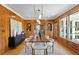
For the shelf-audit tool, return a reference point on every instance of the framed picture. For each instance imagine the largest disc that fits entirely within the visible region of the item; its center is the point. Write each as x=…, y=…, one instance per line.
x=49, y=26
x=28, y=27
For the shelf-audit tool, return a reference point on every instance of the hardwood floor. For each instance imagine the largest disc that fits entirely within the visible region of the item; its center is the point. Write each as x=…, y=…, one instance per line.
x=15, y=51
x=58, y=46
x=69, y=50
x=58, y=50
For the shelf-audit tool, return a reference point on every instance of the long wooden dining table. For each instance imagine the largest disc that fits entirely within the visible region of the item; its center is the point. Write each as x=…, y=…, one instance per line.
x=39, y=40
x=34, y=40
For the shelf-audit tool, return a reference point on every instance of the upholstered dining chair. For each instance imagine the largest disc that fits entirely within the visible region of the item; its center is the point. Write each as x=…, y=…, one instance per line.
x=39, y=46
x=27, y=43
x=50, y=44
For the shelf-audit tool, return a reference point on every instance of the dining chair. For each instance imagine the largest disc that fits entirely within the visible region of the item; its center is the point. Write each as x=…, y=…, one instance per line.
x=50, y=44
x=27, y=43
x=39, y=46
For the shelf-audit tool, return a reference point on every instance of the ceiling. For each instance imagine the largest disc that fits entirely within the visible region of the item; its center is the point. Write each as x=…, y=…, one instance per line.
x=50, y=11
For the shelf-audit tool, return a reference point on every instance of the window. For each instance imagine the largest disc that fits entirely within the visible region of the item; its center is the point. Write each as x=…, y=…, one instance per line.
x=16, y=27
x=19, y=24
x=69, y=27
x=74, y=26
x=63, y=29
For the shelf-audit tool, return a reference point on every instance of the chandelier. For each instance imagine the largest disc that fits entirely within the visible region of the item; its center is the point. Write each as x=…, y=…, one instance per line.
x=38, y=11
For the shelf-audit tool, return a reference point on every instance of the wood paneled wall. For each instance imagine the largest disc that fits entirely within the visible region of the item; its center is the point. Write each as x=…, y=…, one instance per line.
x=33, y=24
x=5, y=16
x=65, y=42
x=25, y=22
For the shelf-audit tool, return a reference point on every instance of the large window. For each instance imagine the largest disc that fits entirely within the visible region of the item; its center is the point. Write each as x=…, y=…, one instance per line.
x=63, y=27
x=74, y=26
x=69, y=27
x=16, y=27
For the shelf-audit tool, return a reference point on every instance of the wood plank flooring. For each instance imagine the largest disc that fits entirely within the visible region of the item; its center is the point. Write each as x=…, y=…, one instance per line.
x=15, y=51
x=59, y=50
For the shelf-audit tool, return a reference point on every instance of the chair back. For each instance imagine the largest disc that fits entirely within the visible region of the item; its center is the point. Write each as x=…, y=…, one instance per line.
x=39, y=45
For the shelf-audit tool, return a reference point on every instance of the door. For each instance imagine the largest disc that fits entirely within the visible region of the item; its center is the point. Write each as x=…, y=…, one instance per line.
x=2, y=34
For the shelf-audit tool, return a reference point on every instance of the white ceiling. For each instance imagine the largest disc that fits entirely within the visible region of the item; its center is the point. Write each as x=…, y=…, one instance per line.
x=50, y=11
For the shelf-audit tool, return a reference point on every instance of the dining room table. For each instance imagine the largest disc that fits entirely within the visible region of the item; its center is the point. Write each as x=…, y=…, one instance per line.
x=37, y=40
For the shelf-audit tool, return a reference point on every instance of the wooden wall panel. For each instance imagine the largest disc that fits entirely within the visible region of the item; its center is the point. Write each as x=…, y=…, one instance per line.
x=33, y=23
x=0, y=34
x=3, y=32
x=6, y=14
x=28, y=33
x=48, y=32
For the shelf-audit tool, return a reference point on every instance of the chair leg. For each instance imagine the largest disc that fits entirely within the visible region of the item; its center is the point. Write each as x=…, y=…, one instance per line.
x=52, y=49
x=46, y=52
x=25, y=48
x=33, y=51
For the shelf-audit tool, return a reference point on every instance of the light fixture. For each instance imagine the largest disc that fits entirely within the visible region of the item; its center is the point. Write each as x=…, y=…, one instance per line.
x=38, y=11
x=38, y=21
x=40, y=16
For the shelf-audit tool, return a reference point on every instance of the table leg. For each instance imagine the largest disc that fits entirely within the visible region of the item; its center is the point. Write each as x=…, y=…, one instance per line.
x=46, y=52
x=33, y=51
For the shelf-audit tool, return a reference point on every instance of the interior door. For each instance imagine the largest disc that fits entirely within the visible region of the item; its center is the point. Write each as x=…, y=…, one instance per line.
x=2, y=34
